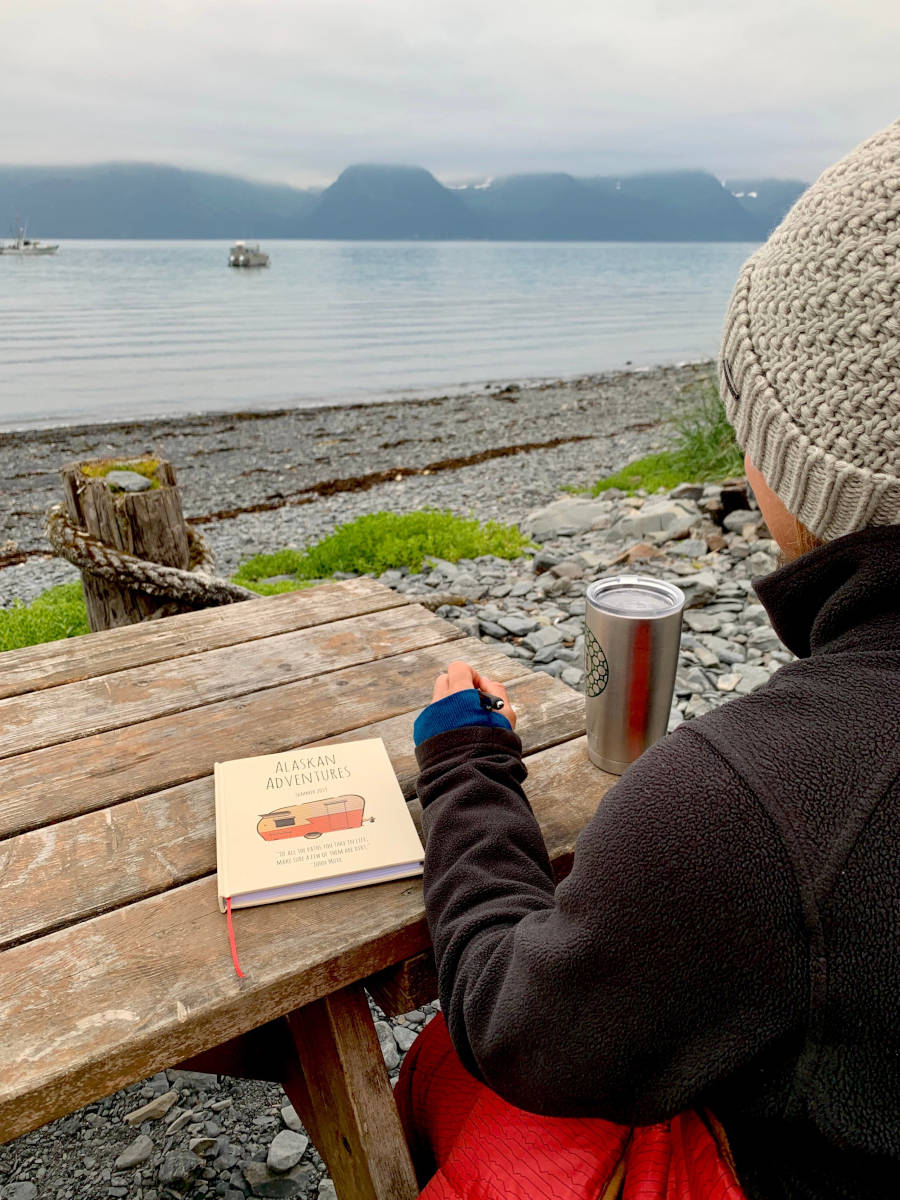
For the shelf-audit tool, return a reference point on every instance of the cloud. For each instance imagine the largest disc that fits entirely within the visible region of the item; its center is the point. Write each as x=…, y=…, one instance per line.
x=288, y=90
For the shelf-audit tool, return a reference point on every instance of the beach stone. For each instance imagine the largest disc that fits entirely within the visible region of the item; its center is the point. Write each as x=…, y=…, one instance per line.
x=286, y=1150
x=326, y=1190
x=688, y=548
x=687, y=491
x=264, y=1182
x=705, y=656
x=564, y=517
x=158, y=1107
x=200, y=1081
x=697, y=707
x=750, y=678
x=388, y=1045
x=702, y=622
x=727, y=683
x=699, y=588
x=290, y=1118
x=546, y=635
x=572, y=676
x=21, y=1190
x=404, y=1037
x=178, y=1167
x=132, y=1156
x=517, y=626
x=202, y=1146
x=128, y=481
x=641, y=550
x=738, y=519
x=567, y=569
x=716, y=542
x=658, y=516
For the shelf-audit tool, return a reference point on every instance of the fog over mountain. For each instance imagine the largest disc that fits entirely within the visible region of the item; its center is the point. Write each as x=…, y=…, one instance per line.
x=119, y=200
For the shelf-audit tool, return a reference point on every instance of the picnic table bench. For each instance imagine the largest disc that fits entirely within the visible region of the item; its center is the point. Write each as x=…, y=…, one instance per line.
x=114, y=959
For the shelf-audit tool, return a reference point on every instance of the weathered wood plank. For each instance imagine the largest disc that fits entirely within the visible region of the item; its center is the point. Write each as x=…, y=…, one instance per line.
x=76, y=710
x=152, y=983
x=93, y=654
x=71, y=870
x=61, y=781
x=362, y=1142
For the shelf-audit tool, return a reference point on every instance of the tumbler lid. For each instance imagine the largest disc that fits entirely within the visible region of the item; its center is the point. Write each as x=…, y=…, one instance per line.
x=637, y=596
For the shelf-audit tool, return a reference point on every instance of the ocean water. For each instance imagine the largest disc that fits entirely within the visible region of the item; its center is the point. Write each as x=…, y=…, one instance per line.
x=119, y=330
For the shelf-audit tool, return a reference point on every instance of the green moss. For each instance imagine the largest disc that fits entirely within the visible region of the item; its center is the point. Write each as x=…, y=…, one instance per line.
x=381, y=541
x=141, y=466
x=703, y=449
x=57, y=613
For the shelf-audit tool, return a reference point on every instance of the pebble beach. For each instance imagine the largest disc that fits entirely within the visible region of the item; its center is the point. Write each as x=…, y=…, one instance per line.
x=258, y=482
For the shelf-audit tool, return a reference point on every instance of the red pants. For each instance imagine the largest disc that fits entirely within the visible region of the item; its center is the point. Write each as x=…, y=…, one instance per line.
x=471, y=1145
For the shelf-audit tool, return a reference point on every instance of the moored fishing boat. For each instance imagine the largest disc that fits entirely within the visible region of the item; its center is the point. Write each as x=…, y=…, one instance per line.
x=247, y=254
x=26, y=247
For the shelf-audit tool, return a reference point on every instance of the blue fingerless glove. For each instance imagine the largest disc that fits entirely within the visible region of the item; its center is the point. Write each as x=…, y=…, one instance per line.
x=454, y=711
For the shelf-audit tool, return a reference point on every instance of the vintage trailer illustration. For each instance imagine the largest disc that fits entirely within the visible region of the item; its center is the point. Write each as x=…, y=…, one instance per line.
x=313, y=818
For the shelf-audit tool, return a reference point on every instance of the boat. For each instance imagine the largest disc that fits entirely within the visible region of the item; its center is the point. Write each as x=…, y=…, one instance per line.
x=26, y=247
x=247, y=254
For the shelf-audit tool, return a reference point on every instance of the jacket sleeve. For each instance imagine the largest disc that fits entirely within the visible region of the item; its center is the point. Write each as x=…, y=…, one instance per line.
x=669, y=958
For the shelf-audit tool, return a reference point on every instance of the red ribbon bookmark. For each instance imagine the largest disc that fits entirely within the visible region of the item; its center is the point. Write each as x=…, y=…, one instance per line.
x=231, y=941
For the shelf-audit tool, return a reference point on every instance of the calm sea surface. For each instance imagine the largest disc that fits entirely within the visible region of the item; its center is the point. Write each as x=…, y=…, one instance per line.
x=111, y=330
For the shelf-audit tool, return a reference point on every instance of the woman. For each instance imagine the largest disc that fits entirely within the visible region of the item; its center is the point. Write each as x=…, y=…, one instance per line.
x=729, y=936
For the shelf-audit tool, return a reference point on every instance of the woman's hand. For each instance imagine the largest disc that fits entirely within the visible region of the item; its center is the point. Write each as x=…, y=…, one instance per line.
x=460, y=676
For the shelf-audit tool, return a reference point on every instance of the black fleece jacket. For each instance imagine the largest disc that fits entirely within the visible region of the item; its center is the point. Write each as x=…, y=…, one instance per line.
x=729, y=935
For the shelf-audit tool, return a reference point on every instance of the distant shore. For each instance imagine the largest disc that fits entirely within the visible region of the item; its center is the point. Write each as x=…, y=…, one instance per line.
x=255, y=481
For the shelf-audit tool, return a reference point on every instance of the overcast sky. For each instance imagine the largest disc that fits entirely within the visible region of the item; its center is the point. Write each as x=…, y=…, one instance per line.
x=295, y=90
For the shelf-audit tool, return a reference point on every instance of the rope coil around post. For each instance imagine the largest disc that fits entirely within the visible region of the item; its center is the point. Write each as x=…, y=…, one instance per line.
x=197, y=587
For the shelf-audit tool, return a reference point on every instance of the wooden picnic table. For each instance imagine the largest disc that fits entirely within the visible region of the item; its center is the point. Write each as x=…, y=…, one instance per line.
x=114, y=959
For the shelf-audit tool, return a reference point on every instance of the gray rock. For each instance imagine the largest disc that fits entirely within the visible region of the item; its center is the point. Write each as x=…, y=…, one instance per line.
x=658, y=516
x=23, y=1189
x=264, y=1182
x=178, y=1167
x=546, y=635
x=128, y=481
x=688, y=548
x=688, y=491
x=572, y=676
x=326, y=1190
x=132, y=1156
x=518, y=626
x=404, y=1037
x=567, y=569
x=697, y=707
x=750, y=678
x=736, y=521
x=290, y=1118
x=698, y=588
x=702, y=622
x=203, y=1147
x=564, y=517
x=727, y=683
x=286, y=1150
x=388, y=1045
x=200, y=1081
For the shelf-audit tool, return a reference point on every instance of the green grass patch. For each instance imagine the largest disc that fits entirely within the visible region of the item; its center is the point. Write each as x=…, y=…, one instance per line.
x=56, y=613
x=381, y=541
x=703, y=450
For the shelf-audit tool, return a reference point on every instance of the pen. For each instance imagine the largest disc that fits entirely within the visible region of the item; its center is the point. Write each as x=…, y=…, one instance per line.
x=488, y=701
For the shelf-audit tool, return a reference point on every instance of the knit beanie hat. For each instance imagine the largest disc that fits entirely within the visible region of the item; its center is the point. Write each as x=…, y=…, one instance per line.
x=810, y=365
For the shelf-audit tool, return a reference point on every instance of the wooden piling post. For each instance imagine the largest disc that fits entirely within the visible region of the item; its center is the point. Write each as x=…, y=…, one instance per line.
x=148, y=524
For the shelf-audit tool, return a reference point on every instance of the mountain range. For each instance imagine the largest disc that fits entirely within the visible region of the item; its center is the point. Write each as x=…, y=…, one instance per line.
x=128, y=200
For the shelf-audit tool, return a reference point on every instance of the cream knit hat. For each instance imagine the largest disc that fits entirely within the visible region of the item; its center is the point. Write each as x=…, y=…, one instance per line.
x=810, y=365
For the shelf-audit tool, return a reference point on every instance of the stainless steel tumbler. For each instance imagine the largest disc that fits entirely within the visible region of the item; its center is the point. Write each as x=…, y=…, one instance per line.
x=632, y=631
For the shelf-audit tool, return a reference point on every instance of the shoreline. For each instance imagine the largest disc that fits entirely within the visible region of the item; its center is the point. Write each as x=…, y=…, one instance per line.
x=258, y=481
